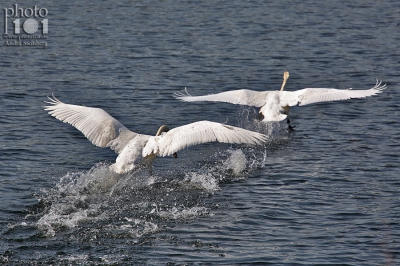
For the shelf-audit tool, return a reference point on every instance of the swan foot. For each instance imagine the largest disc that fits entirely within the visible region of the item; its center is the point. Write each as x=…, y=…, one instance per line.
x=290, y=127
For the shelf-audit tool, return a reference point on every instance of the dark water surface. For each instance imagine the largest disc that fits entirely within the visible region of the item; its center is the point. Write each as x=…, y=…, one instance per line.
x=328, y=193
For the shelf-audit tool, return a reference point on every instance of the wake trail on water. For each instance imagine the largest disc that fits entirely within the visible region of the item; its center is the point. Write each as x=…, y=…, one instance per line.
x=100, y=202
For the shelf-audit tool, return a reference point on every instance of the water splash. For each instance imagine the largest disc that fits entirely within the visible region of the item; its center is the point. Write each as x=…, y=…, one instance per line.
x=236, y=162
x=104, y=198
x=277, y=132
x=184, y=213
x=204, y=181
x=82, y=197
x=132, y=204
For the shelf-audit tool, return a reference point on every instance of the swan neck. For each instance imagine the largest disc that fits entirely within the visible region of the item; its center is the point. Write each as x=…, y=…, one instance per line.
x=162, y=129
x=285, y=78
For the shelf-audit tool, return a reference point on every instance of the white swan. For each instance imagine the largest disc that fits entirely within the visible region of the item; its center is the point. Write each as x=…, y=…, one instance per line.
x=135, y=149
x=275, y=105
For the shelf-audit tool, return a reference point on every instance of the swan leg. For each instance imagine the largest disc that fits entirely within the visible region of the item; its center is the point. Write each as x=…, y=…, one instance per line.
x=290, y=127
x=260, y=117
x=286, y=110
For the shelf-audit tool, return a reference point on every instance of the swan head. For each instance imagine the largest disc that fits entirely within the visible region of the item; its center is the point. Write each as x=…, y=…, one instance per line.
x=164, y=129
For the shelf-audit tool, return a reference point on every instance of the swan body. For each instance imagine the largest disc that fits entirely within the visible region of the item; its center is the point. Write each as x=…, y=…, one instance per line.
x=135, y=149
x=275, y=105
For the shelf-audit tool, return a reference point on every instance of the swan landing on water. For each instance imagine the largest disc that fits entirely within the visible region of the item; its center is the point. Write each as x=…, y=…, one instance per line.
x=275, y=105
x=137, y=149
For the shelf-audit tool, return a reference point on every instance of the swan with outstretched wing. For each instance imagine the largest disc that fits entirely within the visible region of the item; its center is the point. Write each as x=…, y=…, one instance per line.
x=135, y=149
x=275, y=105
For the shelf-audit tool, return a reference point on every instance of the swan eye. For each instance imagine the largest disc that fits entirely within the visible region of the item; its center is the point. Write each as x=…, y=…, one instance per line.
x=260, y=116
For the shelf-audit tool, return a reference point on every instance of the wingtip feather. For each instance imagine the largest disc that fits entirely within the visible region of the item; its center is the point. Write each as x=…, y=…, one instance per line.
x=182, y=96
x=378, y=86
x=53, y=100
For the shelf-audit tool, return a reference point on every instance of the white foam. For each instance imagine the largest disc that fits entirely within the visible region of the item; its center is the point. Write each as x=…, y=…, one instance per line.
x=134, y=228
x=76, y=258
x=65, y=214
x=183, y=213
x=200, y=181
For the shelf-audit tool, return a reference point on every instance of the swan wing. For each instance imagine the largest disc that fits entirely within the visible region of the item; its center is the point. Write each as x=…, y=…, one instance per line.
x=314, y=95
x=200, y=132
x=96, y=124
x=242, y=97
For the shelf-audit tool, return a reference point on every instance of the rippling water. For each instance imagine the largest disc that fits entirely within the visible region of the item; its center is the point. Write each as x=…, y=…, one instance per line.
x=327, y=193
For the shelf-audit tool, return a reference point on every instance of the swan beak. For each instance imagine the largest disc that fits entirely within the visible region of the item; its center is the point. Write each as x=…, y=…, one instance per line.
x=175, y=155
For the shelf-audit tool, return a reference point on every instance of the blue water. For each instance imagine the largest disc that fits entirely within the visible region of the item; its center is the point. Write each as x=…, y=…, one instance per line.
x=327, y=193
